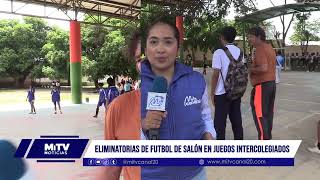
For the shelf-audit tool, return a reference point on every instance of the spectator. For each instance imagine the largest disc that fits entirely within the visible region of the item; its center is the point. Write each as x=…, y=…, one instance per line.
x=279, y=61
x=224, y=106
x=55, y=97
x=102, y=99
x=262, y=77
x=31, y=98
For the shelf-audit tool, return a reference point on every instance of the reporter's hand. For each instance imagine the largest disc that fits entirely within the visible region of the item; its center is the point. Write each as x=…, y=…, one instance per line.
x=207, y=136
x=153, y=120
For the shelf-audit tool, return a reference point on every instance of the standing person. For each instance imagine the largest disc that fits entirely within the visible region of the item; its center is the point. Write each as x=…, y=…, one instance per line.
x=118, y=126
x=119, y=87
x=123, y=82
x=223, y=105
x=189, y=59
x=312, y=59
x=204, y=64
x=279, y=61
x=316, y=149
x=58, y=84
x=31, y=98
x=102, y=99
x=262, y=77
x=187, y=103
x=127, y=87
x=53, y=83
x=55, y=96
x=112, y=91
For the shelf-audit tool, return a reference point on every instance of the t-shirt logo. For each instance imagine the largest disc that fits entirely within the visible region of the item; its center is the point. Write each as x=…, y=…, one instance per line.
x=190, y=100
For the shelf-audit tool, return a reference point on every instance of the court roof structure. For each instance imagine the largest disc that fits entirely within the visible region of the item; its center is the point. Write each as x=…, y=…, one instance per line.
x=276, y=11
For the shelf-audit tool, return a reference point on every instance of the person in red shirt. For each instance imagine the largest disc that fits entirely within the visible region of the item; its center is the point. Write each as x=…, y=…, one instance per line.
x=118, y=126
x=262, y=77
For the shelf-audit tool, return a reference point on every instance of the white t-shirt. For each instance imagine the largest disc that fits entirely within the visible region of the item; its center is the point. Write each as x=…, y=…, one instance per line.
x=221, y=61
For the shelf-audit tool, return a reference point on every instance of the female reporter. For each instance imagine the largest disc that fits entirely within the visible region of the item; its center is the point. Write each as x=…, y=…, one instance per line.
x=188, y=115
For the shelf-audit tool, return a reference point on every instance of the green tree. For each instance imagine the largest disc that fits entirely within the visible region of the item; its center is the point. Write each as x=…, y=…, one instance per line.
x=202, y=33
x=20, y=47
x=104, y=50
x=93, y=38
x=305, y=31
x=203, y=19
x=56, y=52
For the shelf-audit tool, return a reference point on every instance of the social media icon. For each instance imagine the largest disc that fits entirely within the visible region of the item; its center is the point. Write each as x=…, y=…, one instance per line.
x=201, y=162
x=106, y=162
x=114, y=162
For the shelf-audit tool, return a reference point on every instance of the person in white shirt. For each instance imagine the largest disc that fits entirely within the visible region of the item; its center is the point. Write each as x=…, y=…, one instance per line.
x=223, y=106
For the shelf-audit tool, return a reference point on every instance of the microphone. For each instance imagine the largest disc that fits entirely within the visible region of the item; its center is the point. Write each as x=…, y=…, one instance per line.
x=157, y=101
x=10, y=166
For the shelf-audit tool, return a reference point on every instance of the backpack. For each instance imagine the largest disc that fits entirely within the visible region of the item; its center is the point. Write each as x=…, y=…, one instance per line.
x=236, y=81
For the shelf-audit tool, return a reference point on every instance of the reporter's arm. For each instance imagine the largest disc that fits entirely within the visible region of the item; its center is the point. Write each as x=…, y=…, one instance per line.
x=209, y=133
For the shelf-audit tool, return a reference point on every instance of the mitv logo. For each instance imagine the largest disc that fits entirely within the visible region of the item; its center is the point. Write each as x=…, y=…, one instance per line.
x=56, y=148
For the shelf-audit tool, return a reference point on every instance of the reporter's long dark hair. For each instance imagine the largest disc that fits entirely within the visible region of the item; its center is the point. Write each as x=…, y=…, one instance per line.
x=133, y=43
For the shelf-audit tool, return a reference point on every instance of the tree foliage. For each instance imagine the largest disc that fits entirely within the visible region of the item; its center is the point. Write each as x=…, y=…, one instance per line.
x=20, y=47
x=105, y=51
x=202, y=19
x=305, y=31
x=56, y=52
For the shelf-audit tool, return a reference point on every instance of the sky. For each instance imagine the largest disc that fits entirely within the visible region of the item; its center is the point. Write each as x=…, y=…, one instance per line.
x=263, y=4
x=39, y=10
x=34, y=10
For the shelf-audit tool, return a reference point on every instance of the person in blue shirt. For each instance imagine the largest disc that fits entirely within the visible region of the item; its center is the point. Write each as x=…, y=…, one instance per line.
x=102, y=99
x=279, y=65
x=31, y=98
x=112, y=92
x=55, y=97
x=187, y=109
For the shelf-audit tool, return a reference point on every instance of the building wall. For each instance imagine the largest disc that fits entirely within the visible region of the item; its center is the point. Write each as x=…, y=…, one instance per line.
x=297, y=49
x=288, y=50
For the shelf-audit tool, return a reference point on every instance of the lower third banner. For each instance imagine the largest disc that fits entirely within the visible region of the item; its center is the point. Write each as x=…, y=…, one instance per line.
x=188, y=162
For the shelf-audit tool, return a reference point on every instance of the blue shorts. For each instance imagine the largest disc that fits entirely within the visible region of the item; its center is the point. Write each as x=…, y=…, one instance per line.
x=56, y=100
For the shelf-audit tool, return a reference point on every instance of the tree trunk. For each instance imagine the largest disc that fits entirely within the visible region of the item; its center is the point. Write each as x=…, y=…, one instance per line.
x=307, y=45
x=283, y=46
x=19, y=82
x=96, y=83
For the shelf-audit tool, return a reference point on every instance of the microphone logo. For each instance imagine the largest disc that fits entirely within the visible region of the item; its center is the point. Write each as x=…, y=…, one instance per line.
x=156, y=101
